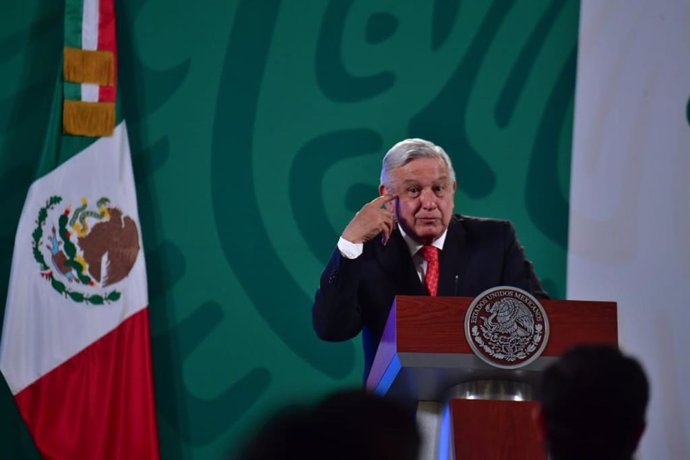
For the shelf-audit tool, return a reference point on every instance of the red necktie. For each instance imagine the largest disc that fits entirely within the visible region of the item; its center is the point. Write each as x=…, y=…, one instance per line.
x=430, y=254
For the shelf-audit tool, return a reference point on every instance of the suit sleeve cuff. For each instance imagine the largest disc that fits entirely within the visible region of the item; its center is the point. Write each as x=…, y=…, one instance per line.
x=349, y=250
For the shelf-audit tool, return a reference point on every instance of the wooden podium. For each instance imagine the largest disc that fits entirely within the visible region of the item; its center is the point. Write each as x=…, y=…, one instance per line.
x=424, y=356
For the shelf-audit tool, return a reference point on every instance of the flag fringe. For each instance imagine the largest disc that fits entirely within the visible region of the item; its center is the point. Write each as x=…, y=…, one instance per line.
x=85, y=66
x=88, y=118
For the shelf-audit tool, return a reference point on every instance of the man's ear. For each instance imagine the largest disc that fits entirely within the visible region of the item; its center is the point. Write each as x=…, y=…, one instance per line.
x=383, y=190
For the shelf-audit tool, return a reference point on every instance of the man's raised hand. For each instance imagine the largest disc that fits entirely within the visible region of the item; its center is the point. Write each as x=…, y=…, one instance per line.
x=375, y=217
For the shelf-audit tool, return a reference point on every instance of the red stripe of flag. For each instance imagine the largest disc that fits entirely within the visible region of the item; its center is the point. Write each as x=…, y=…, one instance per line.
x=99, y=403
x=107, y=42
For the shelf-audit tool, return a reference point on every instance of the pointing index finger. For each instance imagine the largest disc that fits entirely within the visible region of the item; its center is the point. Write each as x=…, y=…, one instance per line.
x=383, y=199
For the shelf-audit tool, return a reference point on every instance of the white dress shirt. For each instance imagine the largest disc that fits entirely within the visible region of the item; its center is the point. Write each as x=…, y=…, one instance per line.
x=351, y=250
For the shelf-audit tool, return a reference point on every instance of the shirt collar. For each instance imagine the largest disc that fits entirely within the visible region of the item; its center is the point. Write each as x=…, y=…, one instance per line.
x=413, y=246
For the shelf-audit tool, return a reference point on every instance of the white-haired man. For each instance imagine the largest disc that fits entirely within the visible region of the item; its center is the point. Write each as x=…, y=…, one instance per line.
x=408, y=242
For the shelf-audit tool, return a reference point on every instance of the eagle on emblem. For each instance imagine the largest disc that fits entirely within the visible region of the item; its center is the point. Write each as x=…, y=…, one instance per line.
x=105, y=249
x=114, y=241
x=509, y=316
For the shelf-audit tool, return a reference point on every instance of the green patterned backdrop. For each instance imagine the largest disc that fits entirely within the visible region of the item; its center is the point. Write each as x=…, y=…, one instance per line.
x=257, y=130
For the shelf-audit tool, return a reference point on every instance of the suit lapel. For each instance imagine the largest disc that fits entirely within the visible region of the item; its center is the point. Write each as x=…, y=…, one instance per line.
x=395, y=260
x=453, y=260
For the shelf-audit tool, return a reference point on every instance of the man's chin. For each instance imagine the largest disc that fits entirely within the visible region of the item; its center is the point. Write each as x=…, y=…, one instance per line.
x=427, y=234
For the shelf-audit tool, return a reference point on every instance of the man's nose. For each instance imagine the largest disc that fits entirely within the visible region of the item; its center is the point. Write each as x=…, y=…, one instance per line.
x=428, y=199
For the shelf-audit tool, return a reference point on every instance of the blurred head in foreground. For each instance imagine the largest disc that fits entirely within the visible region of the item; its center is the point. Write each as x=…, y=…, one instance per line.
x=593, y=402
x=349, y=424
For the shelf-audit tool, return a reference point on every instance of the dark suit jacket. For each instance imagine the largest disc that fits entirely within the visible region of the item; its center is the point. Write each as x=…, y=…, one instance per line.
x=356, y=295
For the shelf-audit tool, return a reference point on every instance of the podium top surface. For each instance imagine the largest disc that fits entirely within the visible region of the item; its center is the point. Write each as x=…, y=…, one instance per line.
x=424, y=350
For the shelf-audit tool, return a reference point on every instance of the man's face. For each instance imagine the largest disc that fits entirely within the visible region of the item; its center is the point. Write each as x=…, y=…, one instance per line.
x=425, y=198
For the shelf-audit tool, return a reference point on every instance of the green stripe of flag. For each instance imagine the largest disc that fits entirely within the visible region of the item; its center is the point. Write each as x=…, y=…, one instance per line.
x=74, y=14
x=72, y=91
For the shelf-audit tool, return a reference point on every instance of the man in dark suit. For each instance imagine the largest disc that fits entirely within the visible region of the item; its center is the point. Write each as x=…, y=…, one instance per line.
x=408, y=242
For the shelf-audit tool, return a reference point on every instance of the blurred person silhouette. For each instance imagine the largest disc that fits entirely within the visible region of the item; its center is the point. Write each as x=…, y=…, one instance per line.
x=592, y=405
x=351, y=424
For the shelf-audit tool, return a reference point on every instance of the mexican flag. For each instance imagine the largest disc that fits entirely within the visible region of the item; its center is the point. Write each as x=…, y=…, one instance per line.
x=75, y=344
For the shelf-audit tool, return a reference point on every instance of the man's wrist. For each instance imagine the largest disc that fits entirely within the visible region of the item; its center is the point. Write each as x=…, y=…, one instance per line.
x=348, y=249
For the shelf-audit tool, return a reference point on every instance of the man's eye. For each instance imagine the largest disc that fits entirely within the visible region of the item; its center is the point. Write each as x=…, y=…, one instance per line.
x=414, y=191
x=439, y=189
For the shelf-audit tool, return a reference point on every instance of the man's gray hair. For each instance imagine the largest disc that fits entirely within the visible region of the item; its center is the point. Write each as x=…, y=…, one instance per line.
x=410, y=149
